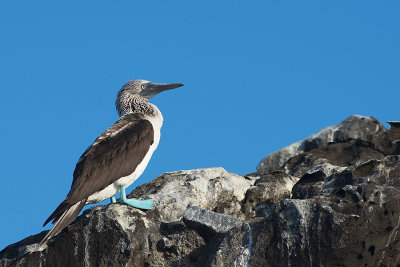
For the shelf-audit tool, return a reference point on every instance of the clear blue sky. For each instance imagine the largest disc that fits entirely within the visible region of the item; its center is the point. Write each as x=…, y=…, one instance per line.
x=258, y=75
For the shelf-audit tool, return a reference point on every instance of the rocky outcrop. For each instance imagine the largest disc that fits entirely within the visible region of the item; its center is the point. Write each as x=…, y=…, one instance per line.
x=183, y=227
x=344, y=210
x=334, y=205
x=351, y=128
x=269, y=188
x=212, y=189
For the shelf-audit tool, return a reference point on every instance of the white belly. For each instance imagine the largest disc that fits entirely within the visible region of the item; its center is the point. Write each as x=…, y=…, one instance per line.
x=126, y=181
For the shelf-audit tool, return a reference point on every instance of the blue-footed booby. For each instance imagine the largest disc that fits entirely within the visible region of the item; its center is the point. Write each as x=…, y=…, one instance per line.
x=117, y=157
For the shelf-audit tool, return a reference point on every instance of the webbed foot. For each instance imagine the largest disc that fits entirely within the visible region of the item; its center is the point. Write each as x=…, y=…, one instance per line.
x=136, y=203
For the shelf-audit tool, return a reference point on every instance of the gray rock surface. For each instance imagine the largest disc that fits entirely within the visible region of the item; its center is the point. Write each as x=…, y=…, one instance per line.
x=344, y=209
x=269, y=188
x=353, y=127
x=120, y=235
x=212, y=221
x=334, y=205
x=212, y=189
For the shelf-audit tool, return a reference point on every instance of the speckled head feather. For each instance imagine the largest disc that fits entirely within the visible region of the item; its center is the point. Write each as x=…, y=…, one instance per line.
x=134, y=86
x=128, y=98
x=134, y=95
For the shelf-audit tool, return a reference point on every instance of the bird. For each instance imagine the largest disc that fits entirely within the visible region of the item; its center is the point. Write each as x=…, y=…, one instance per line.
x=117, y=157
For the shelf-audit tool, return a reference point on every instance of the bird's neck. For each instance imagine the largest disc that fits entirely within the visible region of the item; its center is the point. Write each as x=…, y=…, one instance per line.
x=129, y=103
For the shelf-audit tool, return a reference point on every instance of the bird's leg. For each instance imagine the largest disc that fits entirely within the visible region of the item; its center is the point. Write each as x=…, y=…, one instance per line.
x=112, y=199
x=136, y=203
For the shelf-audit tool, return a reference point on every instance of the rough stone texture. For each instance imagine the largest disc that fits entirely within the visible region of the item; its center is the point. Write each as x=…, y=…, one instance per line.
x=344, y=210
x=269, y=188
x=212, y=189
x=334, y=205
x=120, y=235
x=215, y=222
x=351, y=128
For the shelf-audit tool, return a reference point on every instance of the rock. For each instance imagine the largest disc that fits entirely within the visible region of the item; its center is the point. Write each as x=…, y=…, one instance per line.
x=351, y=128
x=208, y=221
x=101, y=236
x=330, y=231
x=115, y=235
x=118, y=234
x=333, y=205
x=211, y=189
x=235, y=249
x=269, y=188
x=344, y=211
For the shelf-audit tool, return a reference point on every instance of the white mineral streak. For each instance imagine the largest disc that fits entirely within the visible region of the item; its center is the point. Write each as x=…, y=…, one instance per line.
x=296, y=216
x=244, y=255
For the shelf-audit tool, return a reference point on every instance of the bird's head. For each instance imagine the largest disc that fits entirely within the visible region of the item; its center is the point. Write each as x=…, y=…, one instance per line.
x=139, y=91
x=148, y=89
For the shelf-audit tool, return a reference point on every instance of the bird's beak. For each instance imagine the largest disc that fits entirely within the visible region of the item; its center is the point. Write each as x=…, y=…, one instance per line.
x=159, y=87
x=152, y=89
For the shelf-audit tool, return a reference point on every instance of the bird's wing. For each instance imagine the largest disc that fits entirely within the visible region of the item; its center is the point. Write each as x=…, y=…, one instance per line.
x=114, y=154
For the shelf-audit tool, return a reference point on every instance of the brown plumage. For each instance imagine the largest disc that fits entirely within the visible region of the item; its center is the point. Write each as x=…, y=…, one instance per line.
x=131, y=138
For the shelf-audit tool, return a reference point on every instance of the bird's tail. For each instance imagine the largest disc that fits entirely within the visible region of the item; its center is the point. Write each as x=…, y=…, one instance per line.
x=64, y=220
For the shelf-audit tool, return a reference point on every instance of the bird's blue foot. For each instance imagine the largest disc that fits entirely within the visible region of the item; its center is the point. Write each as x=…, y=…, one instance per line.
x=136, y=203
x=113, y=200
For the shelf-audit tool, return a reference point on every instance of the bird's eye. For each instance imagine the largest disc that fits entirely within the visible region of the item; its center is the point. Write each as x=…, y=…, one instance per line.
x=142, y=86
